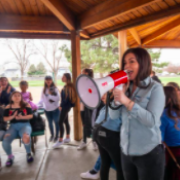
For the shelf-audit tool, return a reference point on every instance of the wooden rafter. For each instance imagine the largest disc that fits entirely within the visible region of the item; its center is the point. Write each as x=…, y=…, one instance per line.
x=59, y=9
x=61, y=12
x=9, y=23
x=110, y=9
x=135, y=35
x=169, y=27
x=139, y=21
x=161, y=44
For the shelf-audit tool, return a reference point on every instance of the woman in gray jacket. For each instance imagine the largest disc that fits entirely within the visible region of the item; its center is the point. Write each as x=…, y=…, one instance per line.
x=142, y=102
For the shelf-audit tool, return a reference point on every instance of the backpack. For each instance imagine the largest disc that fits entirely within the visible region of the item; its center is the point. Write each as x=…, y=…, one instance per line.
x=37, y=122
x=3, y=124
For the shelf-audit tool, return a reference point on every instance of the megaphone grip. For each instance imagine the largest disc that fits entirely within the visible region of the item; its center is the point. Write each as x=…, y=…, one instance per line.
x=120, y=87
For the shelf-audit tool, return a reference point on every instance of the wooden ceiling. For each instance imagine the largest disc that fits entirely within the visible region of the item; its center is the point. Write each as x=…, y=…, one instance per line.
x=148, y=22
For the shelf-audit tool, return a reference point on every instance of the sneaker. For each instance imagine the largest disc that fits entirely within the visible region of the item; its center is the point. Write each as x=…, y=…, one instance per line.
x=67, y=140
x=10, y=161
x=51, y=139
x=82, y=146
x=95, y=147
x=30, y=158
x=58, y=144
x=56, y=139
x=88, y=175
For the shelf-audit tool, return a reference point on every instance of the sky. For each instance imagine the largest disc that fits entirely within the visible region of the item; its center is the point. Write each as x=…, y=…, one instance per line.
x=167, y=55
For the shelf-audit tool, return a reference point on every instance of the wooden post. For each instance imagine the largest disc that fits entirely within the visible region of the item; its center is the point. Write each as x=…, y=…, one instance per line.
x=76, y=70
x=122, y=39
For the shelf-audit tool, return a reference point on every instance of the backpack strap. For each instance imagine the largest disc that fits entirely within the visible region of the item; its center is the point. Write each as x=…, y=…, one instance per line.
x=172, y=155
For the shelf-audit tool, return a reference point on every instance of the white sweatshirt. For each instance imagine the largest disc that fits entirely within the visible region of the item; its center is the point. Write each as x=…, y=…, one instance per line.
x=45, y=100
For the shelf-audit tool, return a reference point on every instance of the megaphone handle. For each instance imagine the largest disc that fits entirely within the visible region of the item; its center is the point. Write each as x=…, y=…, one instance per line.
x=120, y=87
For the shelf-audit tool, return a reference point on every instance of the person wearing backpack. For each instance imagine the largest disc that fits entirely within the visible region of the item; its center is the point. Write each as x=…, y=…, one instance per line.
x=106, y=133
x=68, y=99
x=50, y=98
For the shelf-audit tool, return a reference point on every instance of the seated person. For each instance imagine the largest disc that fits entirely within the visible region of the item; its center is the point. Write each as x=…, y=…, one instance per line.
x=3, y=126
x=170, y=129
x=18, y=113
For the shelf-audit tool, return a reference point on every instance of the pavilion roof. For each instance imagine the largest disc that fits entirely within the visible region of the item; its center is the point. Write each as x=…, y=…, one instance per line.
x=150, y=23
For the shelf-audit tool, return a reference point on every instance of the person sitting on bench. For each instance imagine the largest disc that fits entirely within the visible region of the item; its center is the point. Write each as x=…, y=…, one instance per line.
x=18, y=113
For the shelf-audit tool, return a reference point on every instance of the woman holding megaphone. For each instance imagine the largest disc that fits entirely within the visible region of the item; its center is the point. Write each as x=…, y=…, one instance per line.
x=142, y=102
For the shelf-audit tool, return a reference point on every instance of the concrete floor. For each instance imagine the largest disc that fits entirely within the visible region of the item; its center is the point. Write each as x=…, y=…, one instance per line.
x=65, y=163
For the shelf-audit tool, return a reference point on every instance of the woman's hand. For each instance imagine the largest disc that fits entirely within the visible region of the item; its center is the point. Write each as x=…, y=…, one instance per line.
x=119, y=94
x=9, y=90
x=19, y=117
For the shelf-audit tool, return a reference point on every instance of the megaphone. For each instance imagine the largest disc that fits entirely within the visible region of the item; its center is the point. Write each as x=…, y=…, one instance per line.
x=91, y=90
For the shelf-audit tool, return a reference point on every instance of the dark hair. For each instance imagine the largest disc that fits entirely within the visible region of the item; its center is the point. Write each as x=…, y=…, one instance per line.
x=23, y=83
x=45, y=86
x=172, y=104
x=22, y=103
x=144, y=60
x=69, y=88
x=175, y=85
x=89, y=72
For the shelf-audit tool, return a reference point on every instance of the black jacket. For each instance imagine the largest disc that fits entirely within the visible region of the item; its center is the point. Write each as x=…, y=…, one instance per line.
x=155, y=78
x=5, y=97
x=3, y=124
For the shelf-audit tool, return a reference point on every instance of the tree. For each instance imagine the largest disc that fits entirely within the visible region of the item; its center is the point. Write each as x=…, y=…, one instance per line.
x=101, y=54
x=173, y=69
x=32, y=70
x=157, y=67
x=41, y=69
x=52, y=54
x=22, y=50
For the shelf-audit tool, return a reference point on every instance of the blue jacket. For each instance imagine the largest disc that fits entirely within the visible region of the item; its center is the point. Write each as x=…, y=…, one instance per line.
x=140, y=129
x=113, y=125
x=170, y=135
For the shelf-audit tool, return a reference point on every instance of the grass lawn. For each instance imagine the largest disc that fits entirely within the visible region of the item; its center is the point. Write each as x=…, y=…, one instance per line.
x=34, y=83
x=165, y=80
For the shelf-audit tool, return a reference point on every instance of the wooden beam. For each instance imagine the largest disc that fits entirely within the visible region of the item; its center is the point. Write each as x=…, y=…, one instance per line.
x=84, y=34
x=59, y=9
x=139, y=21
x=9, y=23
x=122, y=39
x=76, y=71
x=135, y=35
x=34, y=35
x=61, y=12
x=168, y=27
x=110, y=9
x=160, y=44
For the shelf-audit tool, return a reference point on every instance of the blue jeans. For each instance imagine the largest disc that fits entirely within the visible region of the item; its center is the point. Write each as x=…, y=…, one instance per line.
x=17, y=130
x=2, y=134
x=53, y=116
x=97, y=166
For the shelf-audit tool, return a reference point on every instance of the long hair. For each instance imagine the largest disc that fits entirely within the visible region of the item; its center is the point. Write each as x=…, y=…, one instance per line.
x=175, y=85
x=22, y=103
x=69, y=88
x=172, y=104
x=45, y=86
x=89, y=72
x=144, y=60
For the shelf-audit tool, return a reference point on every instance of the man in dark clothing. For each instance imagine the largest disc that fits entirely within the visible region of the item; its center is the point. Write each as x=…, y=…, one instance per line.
x=5, y=91
x=154, y=77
